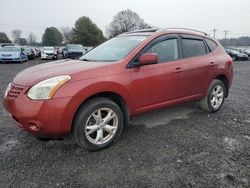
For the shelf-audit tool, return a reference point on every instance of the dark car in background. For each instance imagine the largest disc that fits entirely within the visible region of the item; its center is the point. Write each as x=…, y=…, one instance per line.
x=236, y=55
x=73, y=51
x=30, y=52
x=12, y=54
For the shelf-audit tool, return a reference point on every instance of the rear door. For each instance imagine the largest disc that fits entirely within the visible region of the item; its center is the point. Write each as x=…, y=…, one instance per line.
x=198, y=65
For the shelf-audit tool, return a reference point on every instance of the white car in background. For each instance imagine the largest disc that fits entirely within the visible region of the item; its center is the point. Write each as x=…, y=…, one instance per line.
x=49, y=53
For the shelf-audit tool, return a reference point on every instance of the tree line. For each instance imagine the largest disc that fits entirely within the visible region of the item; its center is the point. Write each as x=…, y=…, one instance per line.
x=241, y=41
x=84, y=32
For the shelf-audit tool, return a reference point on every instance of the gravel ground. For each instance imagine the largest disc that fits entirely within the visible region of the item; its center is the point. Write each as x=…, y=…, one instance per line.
x=181, y=146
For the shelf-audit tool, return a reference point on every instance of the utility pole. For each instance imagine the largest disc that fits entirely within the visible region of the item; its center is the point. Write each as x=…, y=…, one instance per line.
x=226, y=32
x=214, y=31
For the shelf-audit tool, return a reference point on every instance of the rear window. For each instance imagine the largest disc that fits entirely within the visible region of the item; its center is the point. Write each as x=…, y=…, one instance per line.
x=211, y=44
x=193, y=47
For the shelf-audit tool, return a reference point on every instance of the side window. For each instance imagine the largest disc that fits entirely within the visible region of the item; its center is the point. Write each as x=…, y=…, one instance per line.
x=211, y=44
x=193, y=47
x=167, y=50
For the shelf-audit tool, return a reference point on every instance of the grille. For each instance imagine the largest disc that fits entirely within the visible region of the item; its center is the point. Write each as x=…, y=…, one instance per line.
x=14, y=91
x=50, y=53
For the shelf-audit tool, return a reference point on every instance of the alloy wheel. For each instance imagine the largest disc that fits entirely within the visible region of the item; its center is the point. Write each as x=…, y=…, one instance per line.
x=217, y=96
x=101, y=126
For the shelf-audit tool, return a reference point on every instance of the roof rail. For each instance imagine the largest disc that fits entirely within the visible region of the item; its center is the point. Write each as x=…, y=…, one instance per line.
x=143, y=31
x=179, y=28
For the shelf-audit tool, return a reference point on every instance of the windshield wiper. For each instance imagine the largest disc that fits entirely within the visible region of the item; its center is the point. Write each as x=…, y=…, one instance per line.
x=86, y=60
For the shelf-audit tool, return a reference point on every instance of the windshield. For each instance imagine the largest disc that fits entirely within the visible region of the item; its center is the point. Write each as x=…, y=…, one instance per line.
x=10, y=49
x=49, y=48
x=114, y=49
x=235, y=51
x=75, y=47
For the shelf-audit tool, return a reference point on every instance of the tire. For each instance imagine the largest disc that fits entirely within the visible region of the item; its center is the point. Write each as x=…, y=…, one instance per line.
x=216, y=93
x=41, y=139
x=89, y=124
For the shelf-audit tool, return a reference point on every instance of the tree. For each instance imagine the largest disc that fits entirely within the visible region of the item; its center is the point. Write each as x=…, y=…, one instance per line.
x=16, y=34
x=125, y=21
x=52, y=37
x=21, y=41
x=67, y=34
x=32, y=38
x=4, y=38
x=86, y=32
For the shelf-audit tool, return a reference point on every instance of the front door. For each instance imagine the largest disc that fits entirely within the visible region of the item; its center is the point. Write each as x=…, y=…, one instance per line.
x=157, y=85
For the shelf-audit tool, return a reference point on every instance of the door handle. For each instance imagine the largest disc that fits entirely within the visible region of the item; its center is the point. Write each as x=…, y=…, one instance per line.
x=178, y=70
x=212, y=63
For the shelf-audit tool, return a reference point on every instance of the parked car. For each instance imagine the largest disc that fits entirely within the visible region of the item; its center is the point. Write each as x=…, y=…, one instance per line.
x=236, y=55
x=30, y=52
x=49, y=53
x=247, y=51
x=37, y=52
x=12, y=53
x=94, y=97
x=60, y=49
x=73, y=51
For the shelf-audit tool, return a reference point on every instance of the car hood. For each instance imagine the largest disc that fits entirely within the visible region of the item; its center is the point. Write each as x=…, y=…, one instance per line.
x=35, y=74
x=74, y=50
x=9, y=53
x=48, y=51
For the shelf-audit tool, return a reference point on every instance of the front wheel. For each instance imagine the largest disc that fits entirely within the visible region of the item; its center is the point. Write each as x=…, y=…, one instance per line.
x=98, y=124
x=215, y=97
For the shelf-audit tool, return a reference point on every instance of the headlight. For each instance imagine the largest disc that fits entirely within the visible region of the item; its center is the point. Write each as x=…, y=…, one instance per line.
x=47, y=88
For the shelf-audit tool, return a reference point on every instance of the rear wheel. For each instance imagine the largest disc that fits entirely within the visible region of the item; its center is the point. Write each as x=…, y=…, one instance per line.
x=98, y=124
x=215, y=97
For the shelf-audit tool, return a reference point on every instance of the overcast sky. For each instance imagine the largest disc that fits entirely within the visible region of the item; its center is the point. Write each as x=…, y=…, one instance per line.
x=35, y=15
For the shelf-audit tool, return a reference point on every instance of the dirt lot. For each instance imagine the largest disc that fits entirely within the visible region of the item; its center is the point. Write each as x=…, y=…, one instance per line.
x=180, y=146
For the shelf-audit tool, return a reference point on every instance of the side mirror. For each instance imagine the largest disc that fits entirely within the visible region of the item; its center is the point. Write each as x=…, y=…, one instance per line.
x=148, y=59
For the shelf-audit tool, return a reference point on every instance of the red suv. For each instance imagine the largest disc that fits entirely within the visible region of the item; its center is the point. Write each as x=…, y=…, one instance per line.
x=94, y=97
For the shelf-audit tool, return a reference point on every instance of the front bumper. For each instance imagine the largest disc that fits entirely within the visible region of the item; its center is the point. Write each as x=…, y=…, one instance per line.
x=243, y=58
x=48, y=56
x=45, y=118
x=74, y=55
x=10, y=59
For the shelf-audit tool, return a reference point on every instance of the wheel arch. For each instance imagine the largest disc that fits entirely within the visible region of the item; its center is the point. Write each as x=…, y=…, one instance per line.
x=113, y=96
x=224, y=79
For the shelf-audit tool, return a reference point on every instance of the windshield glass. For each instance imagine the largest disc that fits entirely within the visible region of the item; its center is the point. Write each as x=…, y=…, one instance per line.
x=75, y=47
x=10, y=49
x=49, y=48
x=114, y=49
x=235, y=51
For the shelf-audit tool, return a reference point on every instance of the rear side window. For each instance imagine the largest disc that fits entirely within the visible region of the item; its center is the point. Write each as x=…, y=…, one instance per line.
x=193, y=47
x=211, y=44
x=167, y=50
